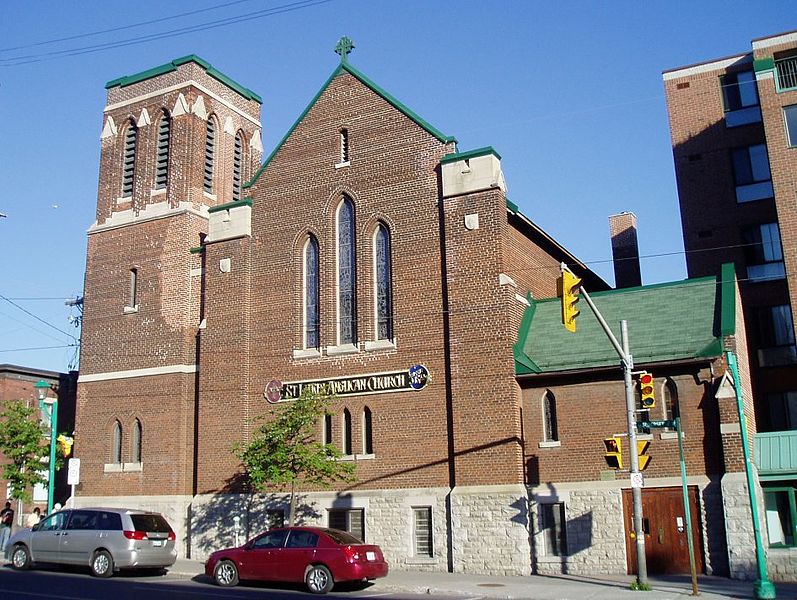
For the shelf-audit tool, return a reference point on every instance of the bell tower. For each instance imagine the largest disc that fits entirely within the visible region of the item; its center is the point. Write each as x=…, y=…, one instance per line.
x=177, y=141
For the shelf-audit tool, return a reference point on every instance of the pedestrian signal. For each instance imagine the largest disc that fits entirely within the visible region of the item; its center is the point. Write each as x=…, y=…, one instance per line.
x=614, y=452
x=646, y=388
x=570, y=285
x=641, y=451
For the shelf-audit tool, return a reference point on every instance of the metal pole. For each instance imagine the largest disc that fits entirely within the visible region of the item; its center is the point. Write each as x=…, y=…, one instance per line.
x=51, y=480
x=687, y=509
x=763, y=588
x=636, y=492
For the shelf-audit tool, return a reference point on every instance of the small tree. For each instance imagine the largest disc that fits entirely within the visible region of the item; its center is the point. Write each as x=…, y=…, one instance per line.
x=22, y=441
x=284, y=449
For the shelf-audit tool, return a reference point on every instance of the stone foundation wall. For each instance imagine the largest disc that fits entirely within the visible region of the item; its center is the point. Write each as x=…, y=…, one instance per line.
x=738, y=527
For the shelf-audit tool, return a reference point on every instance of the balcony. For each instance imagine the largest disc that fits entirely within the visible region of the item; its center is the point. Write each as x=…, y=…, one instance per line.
x=775, y=455
x=787, y=73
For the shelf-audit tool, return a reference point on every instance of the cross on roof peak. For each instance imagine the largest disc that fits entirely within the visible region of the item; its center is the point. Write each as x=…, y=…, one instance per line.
x=344, y=48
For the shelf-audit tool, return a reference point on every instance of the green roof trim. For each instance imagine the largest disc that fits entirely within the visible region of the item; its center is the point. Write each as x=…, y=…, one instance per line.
x=197, y=250
x=347, y=68
x=763, y=64
x=233, y=204
x=172, y=66
x=455, y=156
x=512, y=206
x=666, y=322
x=728, y=303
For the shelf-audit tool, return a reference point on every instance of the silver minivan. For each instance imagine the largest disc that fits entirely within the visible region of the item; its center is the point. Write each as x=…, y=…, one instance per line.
x=104, y=539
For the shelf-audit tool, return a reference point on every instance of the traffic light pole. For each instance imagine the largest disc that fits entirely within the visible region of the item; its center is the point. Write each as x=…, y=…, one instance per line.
x=636, y=492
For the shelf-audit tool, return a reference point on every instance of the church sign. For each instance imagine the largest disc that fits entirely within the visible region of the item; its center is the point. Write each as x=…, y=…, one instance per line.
x=415, y=378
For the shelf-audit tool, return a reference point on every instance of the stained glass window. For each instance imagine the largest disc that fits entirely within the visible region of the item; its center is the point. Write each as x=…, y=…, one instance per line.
x=347, y=275
x=311, y=314
x=384, y=294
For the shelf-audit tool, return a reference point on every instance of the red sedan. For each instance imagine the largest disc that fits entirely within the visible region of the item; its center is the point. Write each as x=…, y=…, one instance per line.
x=317, y=556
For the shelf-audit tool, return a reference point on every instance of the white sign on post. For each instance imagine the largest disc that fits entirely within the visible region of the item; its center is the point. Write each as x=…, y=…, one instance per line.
x=73, y=472
x=637, y=480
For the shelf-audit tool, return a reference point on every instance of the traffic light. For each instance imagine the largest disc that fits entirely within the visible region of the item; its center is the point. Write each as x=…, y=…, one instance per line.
x=570, y=287
x=614, y=452
x=65, y=443
x=641, y=450
x=647, y=389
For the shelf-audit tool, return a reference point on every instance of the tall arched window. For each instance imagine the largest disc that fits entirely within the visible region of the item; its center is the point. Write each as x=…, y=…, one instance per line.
x=210, y=154
x=129, y=161
x=136, y=441
x=116, y=443
x=347, y=274
x=346, y=432
x=327, y=429
x=162, y=156
x=312, y=338
x=383, y=286
x=550, y=429
x=368, y=440
x=670, y=400
x=237, y=165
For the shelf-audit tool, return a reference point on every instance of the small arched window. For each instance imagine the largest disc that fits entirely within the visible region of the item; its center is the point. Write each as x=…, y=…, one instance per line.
x=344, y=145
x=312, y=338
x=162, y=157
x=116, y=443
x=670, y=400
x=383, y=286
x=346, y=432
x=137, y=441
x=210, y=154
x=327, y=429
x=129, y=161
x=347, y=274
x=368, y=440
x=550, y=428
x=237, y=166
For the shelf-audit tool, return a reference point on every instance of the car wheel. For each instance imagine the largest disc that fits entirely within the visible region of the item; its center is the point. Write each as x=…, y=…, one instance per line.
x=226, y=573
x=319, y=579
x=102, y=564
x=20, y=557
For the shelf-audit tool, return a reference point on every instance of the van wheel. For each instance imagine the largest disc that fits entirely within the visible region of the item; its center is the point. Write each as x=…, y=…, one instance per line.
x=20, y=557
x=319, y=579
x=102, y=564
x=226, y=573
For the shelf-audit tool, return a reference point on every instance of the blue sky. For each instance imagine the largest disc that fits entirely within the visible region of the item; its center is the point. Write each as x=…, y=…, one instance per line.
x=569, y=93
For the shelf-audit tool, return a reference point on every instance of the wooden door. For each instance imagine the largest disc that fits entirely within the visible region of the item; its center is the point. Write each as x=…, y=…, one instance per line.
x=666, y=546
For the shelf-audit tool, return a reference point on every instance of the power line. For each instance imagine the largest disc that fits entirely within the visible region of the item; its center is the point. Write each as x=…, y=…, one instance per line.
x=27, y=312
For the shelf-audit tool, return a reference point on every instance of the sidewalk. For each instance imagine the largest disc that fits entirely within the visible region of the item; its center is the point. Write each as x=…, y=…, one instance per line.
x=534, y=587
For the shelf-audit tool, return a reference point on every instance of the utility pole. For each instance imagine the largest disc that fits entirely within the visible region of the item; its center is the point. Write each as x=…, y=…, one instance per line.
x=570, y=292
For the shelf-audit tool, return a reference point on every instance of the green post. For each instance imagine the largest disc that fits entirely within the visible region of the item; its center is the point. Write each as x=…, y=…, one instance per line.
x=51, y=480
x=763, y=588
x=687, y=509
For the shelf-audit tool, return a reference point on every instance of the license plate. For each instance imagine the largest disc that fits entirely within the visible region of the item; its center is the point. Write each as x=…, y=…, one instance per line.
x=370, y=555
x=157, y=542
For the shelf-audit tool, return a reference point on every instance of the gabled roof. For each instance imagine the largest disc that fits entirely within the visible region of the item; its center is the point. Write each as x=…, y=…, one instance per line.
x=666, y=322
x=345, y=67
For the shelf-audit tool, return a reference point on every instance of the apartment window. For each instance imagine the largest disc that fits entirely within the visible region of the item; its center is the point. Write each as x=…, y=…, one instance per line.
x=347, y=276
x=751, y=173
x=210, y=154
x=312, y=338
x=136, y=441
x=763, y=253
x=162, y=152
x=348, y=519
x=344, y=145
x=422, y=531
x=116, y=443
x=550, y=431
x=132, y=292
x=327, y=429
x=346, y=432
x=787, y=72
x=368, y=440
x=781, y=516
x=383, y=284
x=740, y=99
x=790, y=117
x=553, y=529
x=237, y=166
x=775, y=328
x=782, y=411
x=129, y=161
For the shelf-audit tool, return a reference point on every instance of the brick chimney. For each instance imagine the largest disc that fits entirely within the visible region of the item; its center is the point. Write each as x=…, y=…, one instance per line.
x=625, y=250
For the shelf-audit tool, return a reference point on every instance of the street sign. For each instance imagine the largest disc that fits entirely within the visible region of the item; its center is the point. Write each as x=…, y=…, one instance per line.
x=637, y=480
x=655, y=424
x=73, y=472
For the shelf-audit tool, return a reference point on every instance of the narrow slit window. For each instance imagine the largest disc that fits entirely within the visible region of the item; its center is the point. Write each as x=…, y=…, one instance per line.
x=670, y=397
x=129, y=160
x=116, y=443
x=422, y=531
x=162, y=152
x=549, y=422
x=368, y=443
x=346, y=432
x=137, y=441
x=312, y=338
x=132, y=294
x=237, y=166
x=384, y=284
x=344, y=145
x=327, y=429
x=210, y=154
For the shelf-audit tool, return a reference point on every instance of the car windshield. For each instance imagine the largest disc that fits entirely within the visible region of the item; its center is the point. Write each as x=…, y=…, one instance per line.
x=150, y=523
x=342, y=537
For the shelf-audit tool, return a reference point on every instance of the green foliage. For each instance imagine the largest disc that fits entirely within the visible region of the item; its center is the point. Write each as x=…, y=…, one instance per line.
x=23, y=443
x=640, y=587
x=284, y=449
